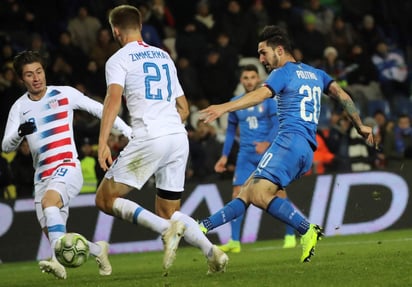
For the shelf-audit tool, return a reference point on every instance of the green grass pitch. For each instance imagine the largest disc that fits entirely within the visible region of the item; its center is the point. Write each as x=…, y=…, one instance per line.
x=378, y=259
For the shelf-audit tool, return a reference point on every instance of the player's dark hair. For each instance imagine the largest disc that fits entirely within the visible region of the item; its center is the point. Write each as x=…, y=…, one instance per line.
x=125, y=17
x=249, y=68
x=25, y=58
x=276, y=36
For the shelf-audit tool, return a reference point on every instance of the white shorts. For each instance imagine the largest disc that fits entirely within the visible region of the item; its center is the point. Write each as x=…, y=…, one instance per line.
x=164, y=157
x=67, y=181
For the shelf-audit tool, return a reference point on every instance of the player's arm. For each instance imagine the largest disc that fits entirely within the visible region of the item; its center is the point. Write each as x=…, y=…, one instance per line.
x=182, y=107
x=12, y=139
x=111, y=108
x=250, y=99
x=220, y=165
x=336, y=92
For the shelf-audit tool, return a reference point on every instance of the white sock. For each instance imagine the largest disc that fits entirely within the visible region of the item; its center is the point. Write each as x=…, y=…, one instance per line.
x=193, y=235
x=94, y=248
x=56, y=226
x=134, y=213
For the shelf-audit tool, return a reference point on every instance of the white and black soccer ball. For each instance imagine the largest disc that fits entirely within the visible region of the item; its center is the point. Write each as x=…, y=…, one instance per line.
x=72, y=250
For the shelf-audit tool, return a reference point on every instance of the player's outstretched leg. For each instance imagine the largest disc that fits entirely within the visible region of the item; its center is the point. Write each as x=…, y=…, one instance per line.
x=171, y=238
x=309, y=241
x=53, y=266
x=105, y=268
x=217, y=261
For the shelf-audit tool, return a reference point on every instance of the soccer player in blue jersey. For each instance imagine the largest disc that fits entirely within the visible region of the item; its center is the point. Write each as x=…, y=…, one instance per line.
x=258, y=126
x=298, y=88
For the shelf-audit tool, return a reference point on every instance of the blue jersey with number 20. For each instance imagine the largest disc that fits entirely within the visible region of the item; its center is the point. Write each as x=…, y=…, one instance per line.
x=298, y=88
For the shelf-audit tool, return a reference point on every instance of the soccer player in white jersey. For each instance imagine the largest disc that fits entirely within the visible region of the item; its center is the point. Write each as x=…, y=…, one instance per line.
x=147, y=78
x=44, y=115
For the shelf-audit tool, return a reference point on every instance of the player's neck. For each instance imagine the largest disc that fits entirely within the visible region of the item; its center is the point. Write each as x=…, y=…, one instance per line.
x=37, y=96
x=132, y=37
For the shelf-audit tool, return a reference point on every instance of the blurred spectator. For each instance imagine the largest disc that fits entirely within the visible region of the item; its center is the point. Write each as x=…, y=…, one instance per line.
x=217, y=70
x=83, y=28
x=162, y=19
x=312, y=49
x=334, y=65
x=370, y=33
x=362, y=78
x=61, y=72
x=22, y=171
x=205, y=19
x=338, y=141
x=362, y=156
x=94, y=80
x=191, y=43
x=38, y=44
x=17, y=22
x=323, y=15
x=260, y=14
x=189, y=79
x=398, y=141
x=392, y=72
x=322, y=157
x=7, y=55
x=5, y=179
x=150, y=29
x=92, y=173
x=383, y=125
x=342, y=36
x=204, y=151
x=239, y=24
x=10, y=90
x=104, y=48
x=68, y=55
x=287, y=14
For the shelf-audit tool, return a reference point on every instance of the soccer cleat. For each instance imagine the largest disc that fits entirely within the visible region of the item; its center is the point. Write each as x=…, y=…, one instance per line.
x=309, y=240
x=105, y=268
x=53, y=266
x=289, y=241
x=171, y=238
x=232, y=246
x=217, y=262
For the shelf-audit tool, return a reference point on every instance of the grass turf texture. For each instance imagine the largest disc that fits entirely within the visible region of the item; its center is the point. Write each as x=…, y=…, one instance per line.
x=378, y=259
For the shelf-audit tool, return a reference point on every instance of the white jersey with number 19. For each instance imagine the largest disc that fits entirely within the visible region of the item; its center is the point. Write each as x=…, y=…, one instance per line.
x=149, y=78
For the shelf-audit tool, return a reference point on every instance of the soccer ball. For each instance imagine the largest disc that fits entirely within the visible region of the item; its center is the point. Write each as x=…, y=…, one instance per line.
x=72, y=250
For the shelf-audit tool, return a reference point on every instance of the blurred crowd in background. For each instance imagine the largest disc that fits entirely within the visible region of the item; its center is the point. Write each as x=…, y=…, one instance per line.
x=365, y=45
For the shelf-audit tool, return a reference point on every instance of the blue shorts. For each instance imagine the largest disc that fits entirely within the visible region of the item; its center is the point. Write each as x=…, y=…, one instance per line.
x=289, y=157
x=246, y=164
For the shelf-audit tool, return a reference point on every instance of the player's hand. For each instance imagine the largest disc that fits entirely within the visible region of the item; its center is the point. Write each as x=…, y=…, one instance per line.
x=211, y=113
x=367, y=133
x=104, y=157
x=26, y=128
x=220, y=165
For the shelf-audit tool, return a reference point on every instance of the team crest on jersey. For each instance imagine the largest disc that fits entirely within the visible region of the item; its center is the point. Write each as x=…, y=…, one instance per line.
x=53, y=104
x=260, y=108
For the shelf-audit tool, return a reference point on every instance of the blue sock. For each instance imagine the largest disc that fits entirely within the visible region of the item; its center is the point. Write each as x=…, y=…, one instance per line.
x=283, y=210
x=289, y=230
x=230, y=211
x=236, y=226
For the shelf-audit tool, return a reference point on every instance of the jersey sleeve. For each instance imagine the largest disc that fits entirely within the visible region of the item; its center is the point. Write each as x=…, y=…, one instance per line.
x=115, y=71
x=11, y=139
